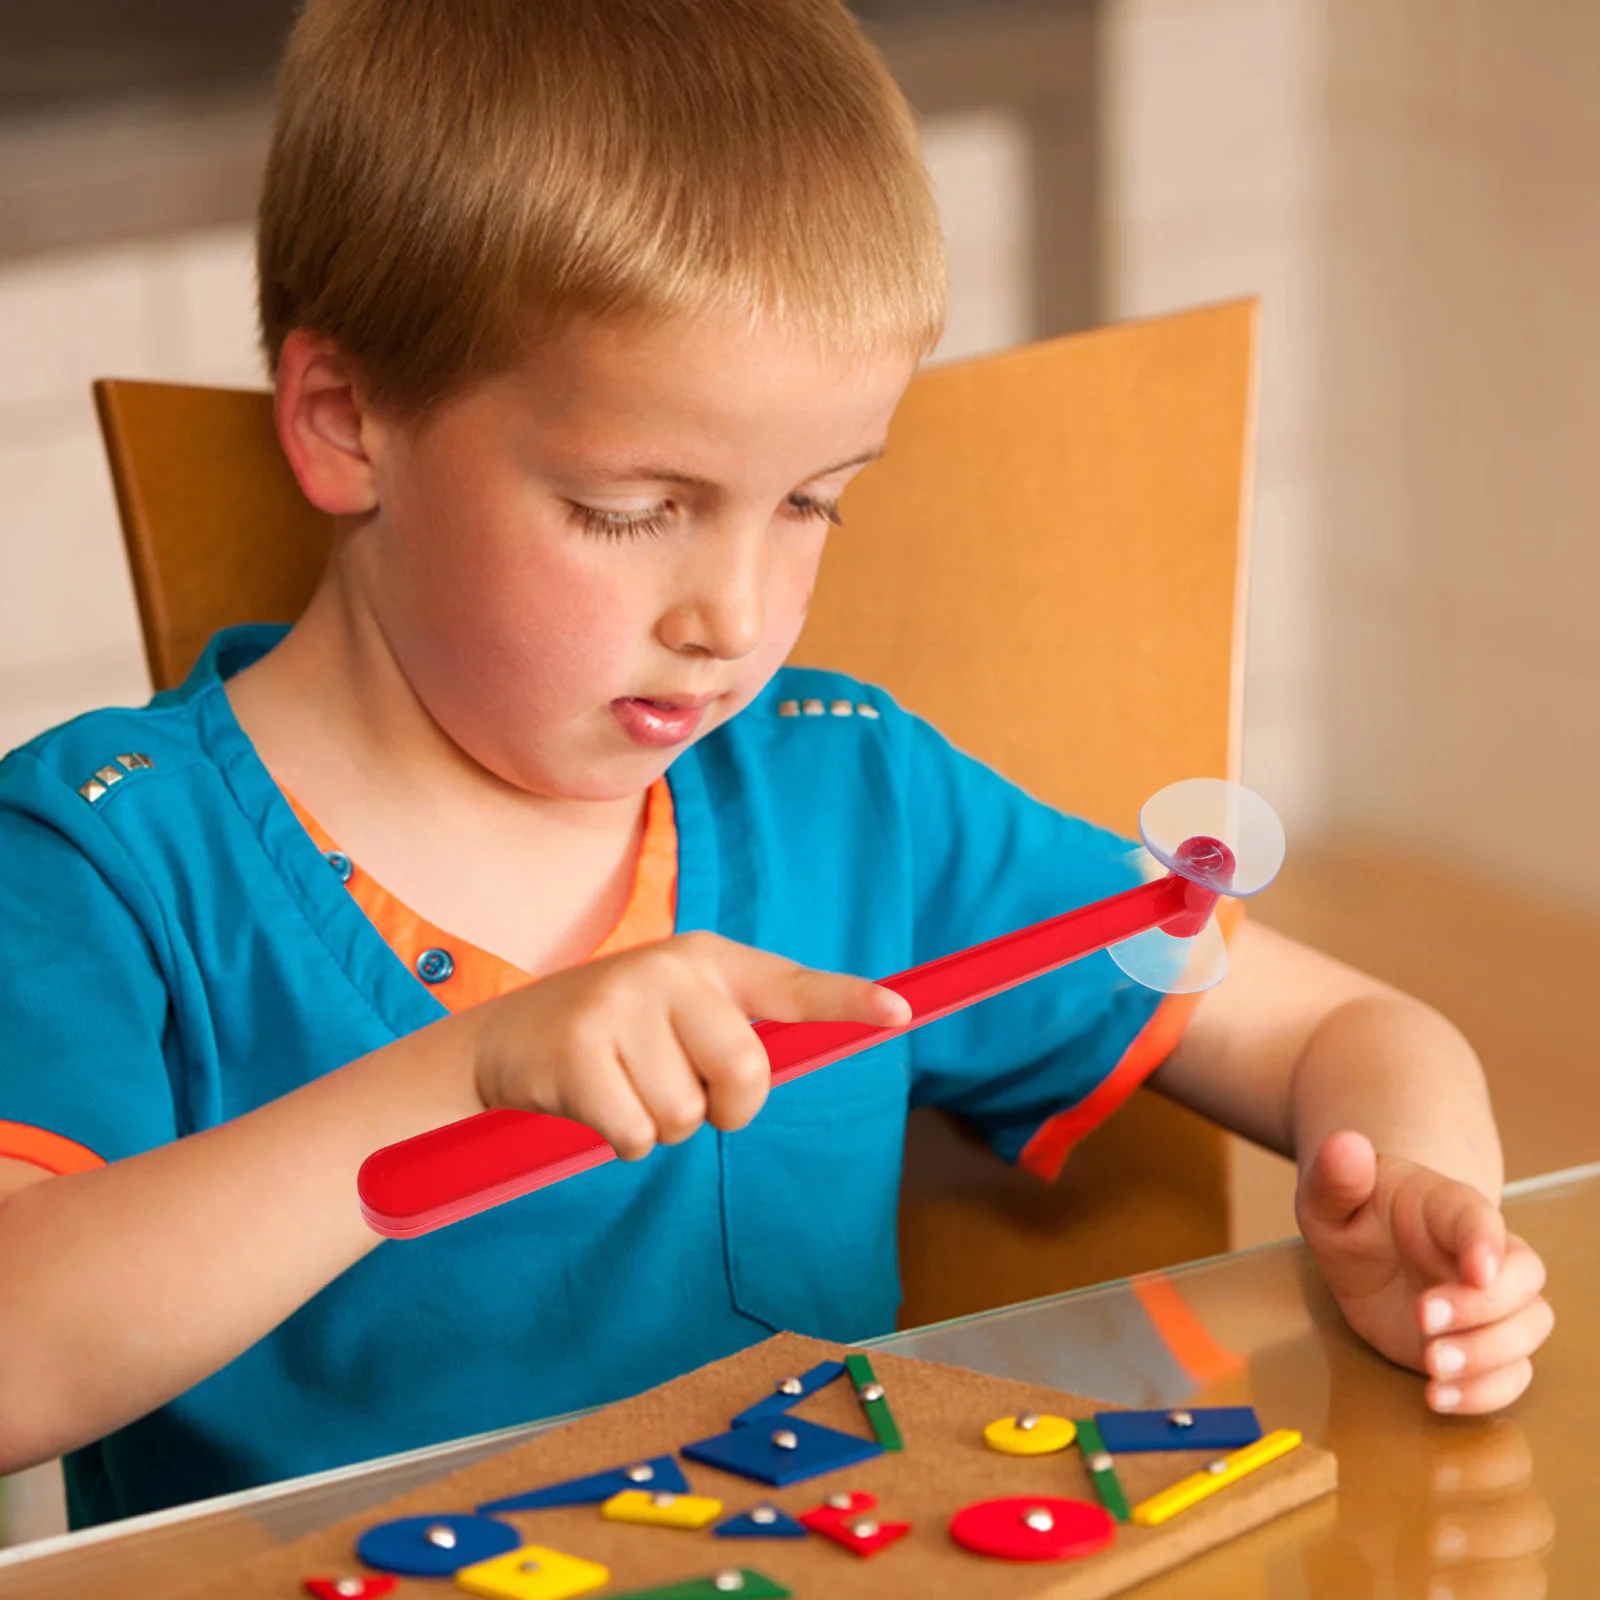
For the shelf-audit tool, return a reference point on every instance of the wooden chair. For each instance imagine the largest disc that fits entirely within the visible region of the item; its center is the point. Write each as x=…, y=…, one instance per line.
x=1048, y=564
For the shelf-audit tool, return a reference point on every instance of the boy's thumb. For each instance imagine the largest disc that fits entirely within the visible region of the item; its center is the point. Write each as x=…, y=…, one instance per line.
x=1340, y=1179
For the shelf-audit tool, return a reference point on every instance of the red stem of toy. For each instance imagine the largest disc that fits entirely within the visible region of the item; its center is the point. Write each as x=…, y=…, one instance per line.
x=452, y=1172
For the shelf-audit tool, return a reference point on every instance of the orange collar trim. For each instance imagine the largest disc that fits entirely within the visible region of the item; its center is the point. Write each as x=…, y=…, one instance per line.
x=475, y=974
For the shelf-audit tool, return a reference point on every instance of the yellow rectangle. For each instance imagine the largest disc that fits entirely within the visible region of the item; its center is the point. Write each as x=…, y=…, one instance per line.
x=662, y=1510
x=1199, y=1486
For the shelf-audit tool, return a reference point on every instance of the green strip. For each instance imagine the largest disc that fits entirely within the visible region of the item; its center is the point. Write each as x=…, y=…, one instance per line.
x=756, y=1586
x=1106, y=1483
x=878, y=1413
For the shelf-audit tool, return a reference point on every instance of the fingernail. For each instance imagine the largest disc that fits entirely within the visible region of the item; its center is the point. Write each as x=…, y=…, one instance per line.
x=1449, y=1540
x=1491, y=1269
x=1448, y=1360
x=1437, y=1315
x=1447, y=1398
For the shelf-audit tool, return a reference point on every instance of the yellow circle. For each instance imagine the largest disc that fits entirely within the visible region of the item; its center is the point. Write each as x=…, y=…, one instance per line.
x=1047, y=1435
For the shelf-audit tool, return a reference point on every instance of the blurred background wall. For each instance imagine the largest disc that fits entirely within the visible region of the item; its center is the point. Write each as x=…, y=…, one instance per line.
x=1411, y=186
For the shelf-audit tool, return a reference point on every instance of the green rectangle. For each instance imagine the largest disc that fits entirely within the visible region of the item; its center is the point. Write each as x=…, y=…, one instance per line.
x=1106, y=1484
x=884, y=1428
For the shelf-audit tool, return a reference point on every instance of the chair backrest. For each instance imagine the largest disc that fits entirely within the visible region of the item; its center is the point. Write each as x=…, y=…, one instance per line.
x=216, y=529
x=1048, y=564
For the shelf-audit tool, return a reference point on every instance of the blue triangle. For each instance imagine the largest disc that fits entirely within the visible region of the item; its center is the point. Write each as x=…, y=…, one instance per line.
x=744, y=1526
x=665, y=1475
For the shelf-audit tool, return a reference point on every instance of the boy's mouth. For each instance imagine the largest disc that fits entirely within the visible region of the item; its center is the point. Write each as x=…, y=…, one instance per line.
x=659, y=723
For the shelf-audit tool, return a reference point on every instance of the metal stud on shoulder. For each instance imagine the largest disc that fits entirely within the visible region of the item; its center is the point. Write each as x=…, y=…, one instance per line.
x=842, y=708
x=812, y=708
x=788, y=708
x=864, y=710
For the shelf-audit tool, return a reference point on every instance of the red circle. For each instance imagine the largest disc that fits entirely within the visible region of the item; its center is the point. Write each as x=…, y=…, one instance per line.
x=998, y=1528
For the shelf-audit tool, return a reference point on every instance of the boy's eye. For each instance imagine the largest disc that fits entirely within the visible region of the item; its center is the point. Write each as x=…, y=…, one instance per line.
x=653, y=523
x=623, y=524
x=811, y=506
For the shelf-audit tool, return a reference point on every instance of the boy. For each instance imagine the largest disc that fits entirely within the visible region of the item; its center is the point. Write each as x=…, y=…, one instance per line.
x=581, y=319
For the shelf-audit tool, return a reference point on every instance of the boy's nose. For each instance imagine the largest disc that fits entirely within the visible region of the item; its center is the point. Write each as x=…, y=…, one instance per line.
x=728, y=624
x=722, y=611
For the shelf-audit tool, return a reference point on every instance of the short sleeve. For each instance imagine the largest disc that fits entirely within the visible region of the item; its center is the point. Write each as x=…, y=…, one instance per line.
x=1034, y=1068
x=83, y=1005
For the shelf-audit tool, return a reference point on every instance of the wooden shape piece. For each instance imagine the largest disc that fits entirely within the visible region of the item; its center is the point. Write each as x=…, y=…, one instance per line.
x=789, y=1392
x=660, y=1474
x=1102, y=1469
x=849, y=1503
x=1033, y=1528
x=870, y=1392
x=862, y=1536
x=764, y=1521
x=745, y=1583
x=789, y=1452
x=532, y=1572
x=1181, y=1428
x=662, y=1510
x=1029, y=1434
x=436, y=1546
x=1219, y=1474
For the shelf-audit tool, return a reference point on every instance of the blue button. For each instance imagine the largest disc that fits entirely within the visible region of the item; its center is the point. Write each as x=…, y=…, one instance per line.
x=342, y=865
x=434, y=966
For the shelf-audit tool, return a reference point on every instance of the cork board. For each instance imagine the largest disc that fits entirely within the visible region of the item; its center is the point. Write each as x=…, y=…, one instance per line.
x=941, y=1412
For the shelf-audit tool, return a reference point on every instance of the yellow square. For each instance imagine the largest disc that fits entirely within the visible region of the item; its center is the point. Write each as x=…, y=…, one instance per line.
x=662, y=1510
x=532, y=1573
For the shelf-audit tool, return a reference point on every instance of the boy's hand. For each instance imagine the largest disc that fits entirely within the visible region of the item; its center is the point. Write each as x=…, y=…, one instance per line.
x=645, y=1045
x=1425, y=1271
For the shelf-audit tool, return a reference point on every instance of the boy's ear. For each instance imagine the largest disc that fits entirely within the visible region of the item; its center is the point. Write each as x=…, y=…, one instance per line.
x=324, y=426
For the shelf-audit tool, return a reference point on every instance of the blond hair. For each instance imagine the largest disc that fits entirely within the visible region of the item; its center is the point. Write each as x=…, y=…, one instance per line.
x=449, y=178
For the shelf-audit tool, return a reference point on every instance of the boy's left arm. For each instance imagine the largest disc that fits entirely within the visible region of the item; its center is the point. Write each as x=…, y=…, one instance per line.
x=1382, y=1104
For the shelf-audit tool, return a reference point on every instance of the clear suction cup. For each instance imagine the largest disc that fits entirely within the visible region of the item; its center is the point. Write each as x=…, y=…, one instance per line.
x=1214, y=812
x=1174, y=966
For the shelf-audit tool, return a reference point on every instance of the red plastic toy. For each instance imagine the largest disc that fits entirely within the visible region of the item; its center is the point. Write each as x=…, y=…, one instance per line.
x=1214, y=837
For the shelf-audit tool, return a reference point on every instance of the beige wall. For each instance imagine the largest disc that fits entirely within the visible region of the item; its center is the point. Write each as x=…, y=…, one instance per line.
x=1211, y=180
x=1461, y=388
x=176, y=310
x=1413, y=187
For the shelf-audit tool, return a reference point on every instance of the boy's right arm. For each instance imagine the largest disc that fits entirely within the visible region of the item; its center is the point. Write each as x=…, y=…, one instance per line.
x=132, y=1282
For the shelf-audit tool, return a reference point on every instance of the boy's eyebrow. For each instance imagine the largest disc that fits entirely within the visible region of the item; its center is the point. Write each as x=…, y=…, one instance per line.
x=634, y=472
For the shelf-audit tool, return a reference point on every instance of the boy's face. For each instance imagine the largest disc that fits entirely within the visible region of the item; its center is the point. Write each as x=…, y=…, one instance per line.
x=633, y=513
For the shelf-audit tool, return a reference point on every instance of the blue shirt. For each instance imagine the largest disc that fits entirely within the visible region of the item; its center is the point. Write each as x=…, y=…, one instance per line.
x=178, y=952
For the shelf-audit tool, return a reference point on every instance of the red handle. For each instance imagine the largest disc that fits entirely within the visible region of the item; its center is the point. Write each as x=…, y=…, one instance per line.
x=452, y=1172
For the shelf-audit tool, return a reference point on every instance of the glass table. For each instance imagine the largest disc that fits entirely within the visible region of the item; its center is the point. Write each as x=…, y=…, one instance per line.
x=1439, y=1509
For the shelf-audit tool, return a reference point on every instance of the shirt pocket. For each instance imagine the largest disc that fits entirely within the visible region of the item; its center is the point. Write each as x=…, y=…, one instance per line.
x=810, y=1199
